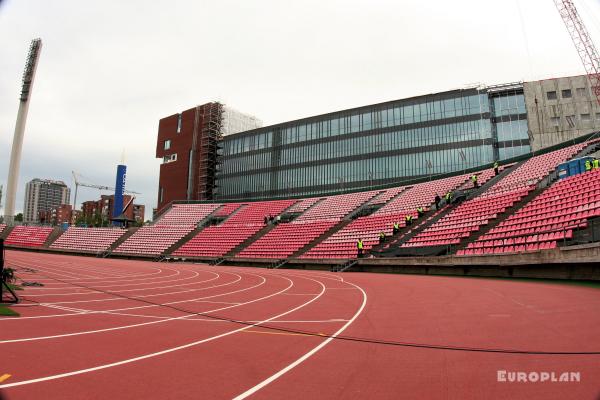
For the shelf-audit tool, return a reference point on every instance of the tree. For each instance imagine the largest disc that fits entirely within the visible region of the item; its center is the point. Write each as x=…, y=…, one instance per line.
x=19, y=217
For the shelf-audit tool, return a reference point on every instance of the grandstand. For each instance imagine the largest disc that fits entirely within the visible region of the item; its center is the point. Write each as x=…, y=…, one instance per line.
x=524, y=209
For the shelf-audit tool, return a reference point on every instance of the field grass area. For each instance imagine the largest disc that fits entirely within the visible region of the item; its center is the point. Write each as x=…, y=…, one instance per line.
x=7, y=312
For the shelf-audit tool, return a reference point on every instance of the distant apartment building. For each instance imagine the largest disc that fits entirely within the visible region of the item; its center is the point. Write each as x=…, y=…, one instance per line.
x=61, y=214
x=41, y=196
x=104, y=207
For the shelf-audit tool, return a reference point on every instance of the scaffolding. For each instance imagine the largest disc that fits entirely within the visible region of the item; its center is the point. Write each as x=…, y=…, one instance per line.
x=209, y=149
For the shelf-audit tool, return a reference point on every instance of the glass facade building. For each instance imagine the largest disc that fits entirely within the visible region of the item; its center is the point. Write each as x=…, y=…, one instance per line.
x=391, y=142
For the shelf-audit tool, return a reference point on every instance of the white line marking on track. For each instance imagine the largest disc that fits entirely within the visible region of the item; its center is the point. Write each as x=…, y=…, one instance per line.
x=129, y=308
x=170, y=350
x=116, y=328
x=291, y=366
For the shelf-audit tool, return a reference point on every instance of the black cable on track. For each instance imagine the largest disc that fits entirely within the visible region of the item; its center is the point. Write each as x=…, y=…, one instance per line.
x=340, y=337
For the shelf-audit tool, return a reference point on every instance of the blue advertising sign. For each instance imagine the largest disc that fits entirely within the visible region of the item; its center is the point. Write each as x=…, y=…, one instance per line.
x=119, y=189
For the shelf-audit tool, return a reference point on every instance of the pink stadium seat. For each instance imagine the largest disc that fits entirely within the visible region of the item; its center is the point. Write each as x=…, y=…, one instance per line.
x=404, y=201
x=87, y=239
x=153, y=240
x=216, y=241
x=551, y=216
x=29, y=236
x=470, y=215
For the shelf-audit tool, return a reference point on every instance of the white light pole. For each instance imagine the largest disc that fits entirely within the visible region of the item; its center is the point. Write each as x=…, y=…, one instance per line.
x=17, y=144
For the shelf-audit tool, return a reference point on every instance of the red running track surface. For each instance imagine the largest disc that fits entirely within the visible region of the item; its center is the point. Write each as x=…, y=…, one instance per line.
x=115, y=329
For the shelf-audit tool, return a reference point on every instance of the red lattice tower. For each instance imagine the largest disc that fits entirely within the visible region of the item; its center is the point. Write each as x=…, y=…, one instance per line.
x=582, y=41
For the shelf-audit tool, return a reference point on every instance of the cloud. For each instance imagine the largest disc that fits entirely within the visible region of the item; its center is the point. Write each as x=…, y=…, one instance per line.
x=110, y=70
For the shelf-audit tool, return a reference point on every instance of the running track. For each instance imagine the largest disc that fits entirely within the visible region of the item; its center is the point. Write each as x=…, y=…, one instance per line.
x=114, y=329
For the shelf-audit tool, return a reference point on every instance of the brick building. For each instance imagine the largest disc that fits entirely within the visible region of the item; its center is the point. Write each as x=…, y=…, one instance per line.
x=105, y=206
x=61, y=214
x=188, y=144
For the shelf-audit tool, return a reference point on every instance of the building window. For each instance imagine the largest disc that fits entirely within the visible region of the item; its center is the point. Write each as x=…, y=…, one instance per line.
x=555, y=121
x=170, y=158
x=566, y=94
x=167, y=144
x=179, y=123
x=161, y=195
x=597, y=116
x=570, y=120
x=580, y=92
x=585, y=117
x=551, y=95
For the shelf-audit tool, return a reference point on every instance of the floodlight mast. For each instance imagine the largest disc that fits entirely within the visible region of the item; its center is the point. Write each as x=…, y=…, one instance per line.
x=583, y=43
x=17, y=146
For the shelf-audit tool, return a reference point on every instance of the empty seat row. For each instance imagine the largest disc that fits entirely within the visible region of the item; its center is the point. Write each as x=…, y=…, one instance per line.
x=87, y=239
x=29, y=236
x=216, y=241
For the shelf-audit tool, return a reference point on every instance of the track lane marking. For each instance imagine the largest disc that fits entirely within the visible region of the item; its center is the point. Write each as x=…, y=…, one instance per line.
x=170, y=350
x=300, y=360
x=135, y=325
x=49, y=305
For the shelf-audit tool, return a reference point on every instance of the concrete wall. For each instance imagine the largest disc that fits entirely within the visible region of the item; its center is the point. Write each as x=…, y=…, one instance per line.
x=555, y=120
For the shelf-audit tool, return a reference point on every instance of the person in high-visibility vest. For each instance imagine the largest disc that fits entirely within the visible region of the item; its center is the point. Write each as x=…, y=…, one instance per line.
x=588, y=165
x=408, y=219
x=395, y=228
x=448, y=197
x=496, y=165
x=596, y=163
x=474, y=180
x=420, y=211
x=360, y=246
x=381, y=237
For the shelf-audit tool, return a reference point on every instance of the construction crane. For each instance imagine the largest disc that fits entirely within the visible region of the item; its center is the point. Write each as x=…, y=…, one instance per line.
x=91, y=185
x=582, y=41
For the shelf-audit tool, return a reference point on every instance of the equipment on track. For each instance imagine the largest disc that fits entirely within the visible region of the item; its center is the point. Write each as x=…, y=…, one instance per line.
x=4, y=278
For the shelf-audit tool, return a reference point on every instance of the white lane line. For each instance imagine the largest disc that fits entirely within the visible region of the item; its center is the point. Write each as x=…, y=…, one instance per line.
x=71, y=285
x=116, y=328
x=300, y=294
x=137, y=297
x=143, y=276
x=138, y=289
x=144, y=296
x=49, y=272
x=172, y=349
x=73, y=310
x=291, y=366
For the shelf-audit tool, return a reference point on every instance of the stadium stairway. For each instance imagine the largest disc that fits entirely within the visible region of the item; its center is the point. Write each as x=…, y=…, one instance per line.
x=6, y=232
x=367, y=205
x=392, y=248
x=502, y=216
x=471, y=194
x=389, y=249
x=120, y=240
x=55, y=234
x=541, y=186
x=263, y=231
x=201, y=225
x=296, y=210
x=180, y=242
x=340, y=225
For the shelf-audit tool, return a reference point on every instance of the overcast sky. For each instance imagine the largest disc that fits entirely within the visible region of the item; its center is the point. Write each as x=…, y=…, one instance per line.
x=109, y=70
